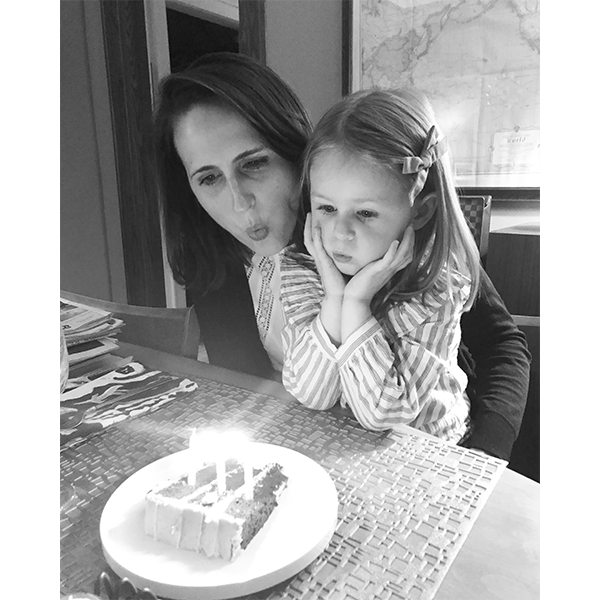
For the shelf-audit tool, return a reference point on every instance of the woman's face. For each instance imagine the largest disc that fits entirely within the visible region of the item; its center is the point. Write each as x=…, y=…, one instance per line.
x=360, y=207
x=242, y=184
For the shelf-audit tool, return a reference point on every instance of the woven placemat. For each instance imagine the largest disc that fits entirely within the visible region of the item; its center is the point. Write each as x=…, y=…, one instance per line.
x=407, y=503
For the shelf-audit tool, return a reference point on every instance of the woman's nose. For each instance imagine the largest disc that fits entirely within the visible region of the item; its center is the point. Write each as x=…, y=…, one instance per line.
x=242, y=198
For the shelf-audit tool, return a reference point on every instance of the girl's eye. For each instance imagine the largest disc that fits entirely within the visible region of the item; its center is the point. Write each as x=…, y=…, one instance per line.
x=367, y=214
x=326, y=208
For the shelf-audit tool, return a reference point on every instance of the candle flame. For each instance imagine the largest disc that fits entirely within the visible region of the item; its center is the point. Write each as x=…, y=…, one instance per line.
x=210, y=445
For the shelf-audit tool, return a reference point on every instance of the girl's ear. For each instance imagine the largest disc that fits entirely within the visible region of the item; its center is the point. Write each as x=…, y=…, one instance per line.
x=423, y=210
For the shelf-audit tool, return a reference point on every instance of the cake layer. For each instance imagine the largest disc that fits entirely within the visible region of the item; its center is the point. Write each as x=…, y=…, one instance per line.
x=166, y=501
x=196, y=517
x=244, y=517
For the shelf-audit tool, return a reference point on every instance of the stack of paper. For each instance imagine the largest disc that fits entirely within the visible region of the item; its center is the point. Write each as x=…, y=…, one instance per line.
x=89, y=333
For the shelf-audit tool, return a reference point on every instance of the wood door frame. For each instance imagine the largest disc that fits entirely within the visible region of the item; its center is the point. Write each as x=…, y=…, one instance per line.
x=128, y=76
x=252, y=30
x=131, y=87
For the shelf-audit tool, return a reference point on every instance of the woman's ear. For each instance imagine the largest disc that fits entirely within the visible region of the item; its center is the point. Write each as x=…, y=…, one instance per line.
x=423, y=210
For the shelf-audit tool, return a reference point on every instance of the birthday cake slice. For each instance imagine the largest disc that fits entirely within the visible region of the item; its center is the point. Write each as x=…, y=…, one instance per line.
x=194, y=514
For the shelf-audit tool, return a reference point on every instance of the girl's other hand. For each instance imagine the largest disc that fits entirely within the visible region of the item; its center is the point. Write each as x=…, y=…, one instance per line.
x=372, y=277
x=331, y=278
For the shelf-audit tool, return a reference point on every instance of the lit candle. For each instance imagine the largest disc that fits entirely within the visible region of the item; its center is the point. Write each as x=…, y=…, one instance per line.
x=244, y=454
x=220, y=466
x=248, y=476
x=192, y=450
x=237, y=444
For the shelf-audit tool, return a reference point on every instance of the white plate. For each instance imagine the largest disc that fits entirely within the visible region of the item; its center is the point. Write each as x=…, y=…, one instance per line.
x=298, y=530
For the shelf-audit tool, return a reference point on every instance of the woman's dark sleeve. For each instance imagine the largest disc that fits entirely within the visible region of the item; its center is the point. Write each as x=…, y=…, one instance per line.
x=228, y=326
x=497, y=361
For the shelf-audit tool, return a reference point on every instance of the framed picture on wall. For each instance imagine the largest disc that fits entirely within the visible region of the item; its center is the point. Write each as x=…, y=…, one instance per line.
x=479, y=65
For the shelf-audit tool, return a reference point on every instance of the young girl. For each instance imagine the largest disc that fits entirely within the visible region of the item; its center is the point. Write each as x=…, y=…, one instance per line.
x=372, y=317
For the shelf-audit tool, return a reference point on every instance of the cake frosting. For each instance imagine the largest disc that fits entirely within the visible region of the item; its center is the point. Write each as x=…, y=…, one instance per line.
x=195, y=516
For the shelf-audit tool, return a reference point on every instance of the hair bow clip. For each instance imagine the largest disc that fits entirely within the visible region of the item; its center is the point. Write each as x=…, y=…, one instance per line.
x=433, y=150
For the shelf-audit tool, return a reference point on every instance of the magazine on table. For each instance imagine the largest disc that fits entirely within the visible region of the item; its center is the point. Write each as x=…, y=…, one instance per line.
x=90, y=349
x=105, y=329
x=75, y=317
x=89, y=332
x=125, y=392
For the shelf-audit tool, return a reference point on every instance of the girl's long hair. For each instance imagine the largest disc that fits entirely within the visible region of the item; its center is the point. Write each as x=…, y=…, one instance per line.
x=384, y=127
x=198, y=250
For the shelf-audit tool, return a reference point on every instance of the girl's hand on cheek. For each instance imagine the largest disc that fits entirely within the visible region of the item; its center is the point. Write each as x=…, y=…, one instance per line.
x=405, y=252
x=331, y=278
x=372, y=277
x=308, y=236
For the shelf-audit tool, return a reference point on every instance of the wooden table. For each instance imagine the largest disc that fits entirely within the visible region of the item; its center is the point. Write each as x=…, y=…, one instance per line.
x=499, y=558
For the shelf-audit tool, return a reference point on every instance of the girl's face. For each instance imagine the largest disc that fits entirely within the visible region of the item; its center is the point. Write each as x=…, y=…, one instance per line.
x=242, y=184
x=360, y=207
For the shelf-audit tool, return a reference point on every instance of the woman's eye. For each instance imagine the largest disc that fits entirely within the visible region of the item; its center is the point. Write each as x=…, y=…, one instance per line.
x=256, y=163
x=210, y=179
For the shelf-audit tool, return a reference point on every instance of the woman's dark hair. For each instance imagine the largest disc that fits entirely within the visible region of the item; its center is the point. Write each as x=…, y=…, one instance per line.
x=198, y=249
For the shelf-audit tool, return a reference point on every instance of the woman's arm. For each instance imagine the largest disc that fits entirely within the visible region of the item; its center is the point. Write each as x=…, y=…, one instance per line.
x=495, y=356
x=228, y=325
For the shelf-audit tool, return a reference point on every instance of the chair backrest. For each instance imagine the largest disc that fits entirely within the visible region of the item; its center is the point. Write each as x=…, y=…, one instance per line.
x=477, y=211
x=172, y=330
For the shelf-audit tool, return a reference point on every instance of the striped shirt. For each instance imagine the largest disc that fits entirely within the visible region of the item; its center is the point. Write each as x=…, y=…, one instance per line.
x=419, y=384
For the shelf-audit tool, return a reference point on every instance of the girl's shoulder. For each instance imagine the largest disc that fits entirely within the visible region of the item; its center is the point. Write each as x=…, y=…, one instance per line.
x=299, y=276
x=292, y=260
x=451, y=286
x=444, y=302
x=459, y=287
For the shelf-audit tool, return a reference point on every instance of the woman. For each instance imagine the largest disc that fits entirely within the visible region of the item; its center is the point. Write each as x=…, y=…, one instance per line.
x=229, y=140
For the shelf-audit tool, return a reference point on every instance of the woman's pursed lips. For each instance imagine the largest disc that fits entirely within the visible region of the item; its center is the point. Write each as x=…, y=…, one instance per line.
x=257, y=234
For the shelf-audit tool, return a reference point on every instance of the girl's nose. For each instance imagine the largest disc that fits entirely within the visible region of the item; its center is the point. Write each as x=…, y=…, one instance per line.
x=343, y=229
x=242, y=199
